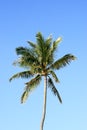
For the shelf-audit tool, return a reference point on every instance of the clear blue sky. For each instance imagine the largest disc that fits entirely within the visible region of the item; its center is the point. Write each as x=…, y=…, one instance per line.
x=20, y=20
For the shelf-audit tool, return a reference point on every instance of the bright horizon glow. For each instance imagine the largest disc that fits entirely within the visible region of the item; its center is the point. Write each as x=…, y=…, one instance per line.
x=19, y=22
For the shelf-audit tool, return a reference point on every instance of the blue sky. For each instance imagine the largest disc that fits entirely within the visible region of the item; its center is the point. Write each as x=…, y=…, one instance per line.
x=20, y=21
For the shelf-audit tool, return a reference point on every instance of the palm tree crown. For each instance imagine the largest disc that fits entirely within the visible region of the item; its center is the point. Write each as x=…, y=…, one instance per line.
x=38, y=60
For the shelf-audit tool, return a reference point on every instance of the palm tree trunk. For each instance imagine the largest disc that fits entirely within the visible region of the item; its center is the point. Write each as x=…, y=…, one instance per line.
x=44, y=103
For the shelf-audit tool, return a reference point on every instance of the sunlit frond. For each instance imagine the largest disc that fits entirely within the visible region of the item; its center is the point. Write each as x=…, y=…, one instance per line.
x=55, y=44
x=26, y=61
x=49, y=40
x=53, y=88
x=62, y=62
x=30, y=86
x=24, y=74
x=24, y=96
x=33, y=83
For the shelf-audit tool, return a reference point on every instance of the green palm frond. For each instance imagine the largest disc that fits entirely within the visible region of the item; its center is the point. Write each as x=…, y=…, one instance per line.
x=27, y=56
x=24, y=74
x=62, y=62
x=30, y=86
x=48, y=51
x=48, y=41
x=54, y=76
x=26, y=61
x=33, y=83
x=44, y=50
x=53, y=88
x=31, y=44
x=40, y=40
x=40, y=47
x=55, y=44
x=24, y=96
x=23, y=51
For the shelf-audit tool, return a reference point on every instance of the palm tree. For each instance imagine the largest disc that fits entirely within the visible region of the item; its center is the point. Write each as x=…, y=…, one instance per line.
x=38, y=60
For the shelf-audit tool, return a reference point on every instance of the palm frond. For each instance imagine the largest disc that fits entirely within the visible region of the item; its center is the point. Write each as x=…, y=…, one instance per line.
x=53, y=88
x=55, y=44
x=48, y=51
x=54, y=76
x=26, y=61
x=24, y=96
x=27, y=56
x=24, y=74
x=49, y=40
x=23, y=51
x=31, y=44
x=30, y=86
x=40, y=39
x=40, y=44
x=33, y=83
x=62, y=62
x=43, y=49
